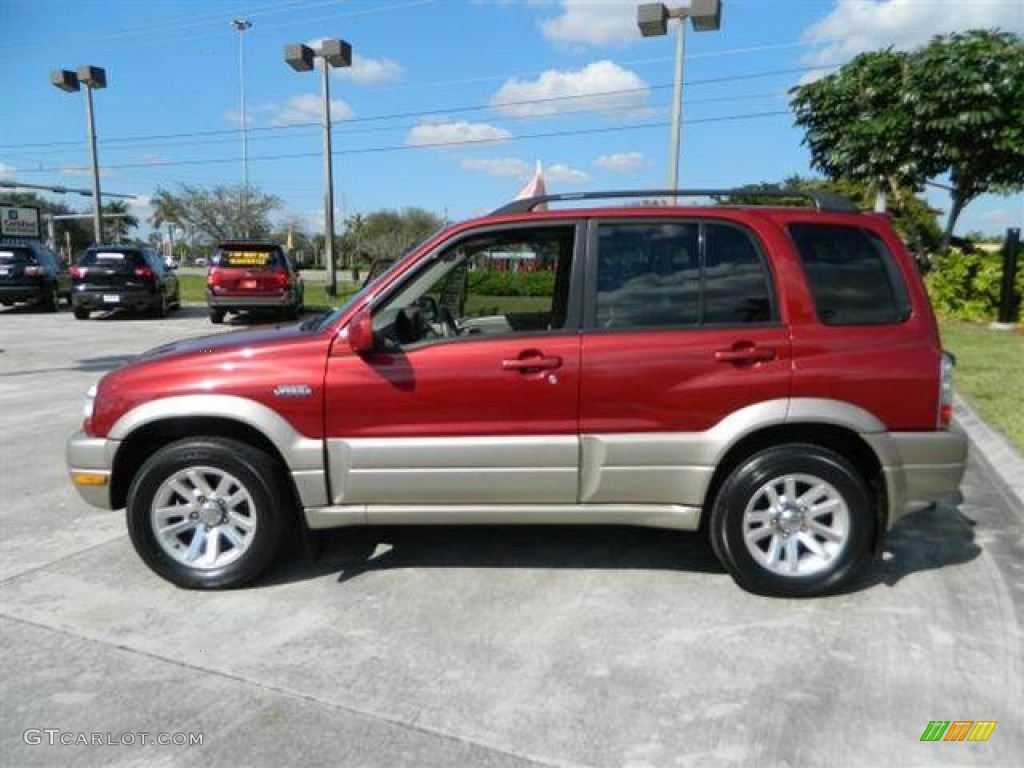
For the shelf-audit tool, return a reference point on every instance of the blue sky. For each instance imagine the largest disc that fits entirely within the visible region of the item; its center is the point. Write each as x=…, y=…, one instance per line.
x=433, y=82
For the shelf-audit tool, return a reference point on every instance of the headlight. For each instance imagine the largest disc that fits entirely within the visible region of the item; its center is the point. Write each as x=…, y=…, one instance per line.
x=90, y=400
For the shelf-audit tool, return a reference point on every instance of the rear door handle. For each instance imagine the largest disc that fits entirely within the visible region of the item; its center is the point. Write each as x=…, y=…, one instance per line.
x=532, y=364
x=745, y=354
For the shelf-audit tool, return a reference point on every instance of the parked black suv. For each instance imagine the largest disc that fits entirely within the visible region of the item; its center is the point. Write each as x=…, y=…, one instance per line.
x=123, y=276
x=29, y=272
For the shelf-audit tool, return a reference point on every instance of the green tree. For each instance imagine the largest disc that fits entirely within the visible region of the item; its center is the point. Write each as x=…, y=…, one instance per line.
x=386, y=234
x=77, y=231
x=913, y=218
x=216, y=213
x=952, y=108
x=117, y=229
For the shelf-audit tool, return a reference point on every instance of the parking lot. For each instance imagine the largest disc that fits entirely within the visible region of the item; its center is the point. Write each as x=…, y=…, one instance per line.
x=476, y=647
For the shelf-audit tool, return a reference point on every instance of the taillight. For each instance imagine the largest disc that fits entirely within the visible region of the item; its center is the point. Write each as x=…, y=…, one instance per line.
x=33, y=271
x=145, y=272
x=282, y=278
x=946, y=390
x=78, y=272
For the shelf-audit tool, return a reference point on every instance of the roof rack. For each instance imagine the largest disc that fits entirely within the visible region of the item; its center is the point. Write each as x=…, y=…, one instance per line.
x=823, y=201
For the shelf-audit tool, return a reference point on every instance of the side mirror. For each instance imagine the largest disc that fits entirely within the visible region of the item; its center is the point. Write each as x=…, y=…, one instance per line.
x=360, y=332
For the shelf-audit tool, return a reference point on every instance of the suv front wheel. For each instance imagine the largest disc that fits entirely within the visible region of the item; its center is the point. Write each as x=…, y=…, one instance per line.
x=793, y=521
x=207, y=513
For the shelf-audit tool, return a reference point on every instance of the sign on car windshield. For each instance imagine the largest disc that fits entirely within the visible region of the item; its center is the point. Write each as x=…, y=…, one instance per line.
x=247, y=258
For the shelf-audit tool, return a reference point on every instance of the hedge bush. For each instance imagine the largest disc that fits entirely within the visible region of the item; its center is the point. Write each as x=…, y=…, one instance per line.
x=493, y=283
x=965, y=286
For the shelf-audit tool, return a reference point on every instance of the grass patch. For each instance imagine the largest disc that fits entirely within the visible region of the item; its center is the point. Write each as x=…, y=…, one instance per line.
x=990, y=373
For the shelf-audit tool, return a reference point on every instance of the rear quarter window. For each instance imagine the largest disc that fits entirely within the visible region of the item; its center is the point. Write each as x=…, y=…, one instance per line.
x=852, y=275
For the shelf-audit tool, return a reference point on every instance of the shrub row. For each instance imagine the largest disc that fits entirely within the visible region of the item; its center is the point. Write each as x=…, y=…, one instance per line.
x=966, y=286
x=493, y=283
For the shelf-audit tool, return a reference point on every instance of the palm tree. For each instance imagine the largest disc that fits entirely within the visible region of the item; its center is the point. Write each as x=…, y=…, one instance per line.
x=117, y=228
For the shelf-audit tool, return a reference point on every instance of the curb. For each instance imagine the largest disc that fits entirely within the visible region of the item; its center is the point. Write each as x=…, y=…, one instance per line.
x=1005, y=461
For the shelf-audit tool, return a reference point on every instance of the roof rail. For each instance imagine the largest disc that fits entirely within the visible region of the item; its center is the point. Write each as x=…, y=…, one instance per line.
x=823, y=201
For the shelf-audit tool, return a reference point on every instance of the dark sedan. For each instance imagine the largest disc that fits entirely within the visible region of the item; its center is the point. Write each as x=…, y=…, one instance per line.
x=31, y=273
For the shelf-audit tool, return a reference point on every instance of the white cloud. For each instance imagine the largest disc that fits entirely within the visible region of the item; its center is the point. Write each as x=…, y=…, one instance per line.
x=558, y=91
x=855, y=26
x=454, y=132
x=502, y=167
x=304, y=108
x=517, y=168
x=586, y=22
x=368, y=71
x=1002, y=218
x=7, y=172
x=563, y=174
x=234, y=116
x=622, y=162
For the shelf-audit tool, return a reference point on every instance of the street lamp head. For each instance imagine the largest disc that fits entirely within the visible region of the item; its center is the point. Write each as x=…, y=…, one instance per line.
x=337, y=53
x=652, y=19
x=65, y=79
x=706, y=15
x=299, y=57
x=94, y=77
x=241, y=24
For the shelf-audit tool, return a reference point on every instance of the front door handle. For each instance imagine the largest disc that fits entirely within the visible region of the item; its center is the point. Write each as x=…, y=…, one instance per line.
x=532, y=363
x=745, y=353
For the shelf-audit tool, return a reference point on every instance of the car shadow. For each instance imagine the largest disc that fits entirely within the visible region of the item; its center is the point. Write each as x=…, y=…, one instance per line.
x=352, y=552
x=936, y=537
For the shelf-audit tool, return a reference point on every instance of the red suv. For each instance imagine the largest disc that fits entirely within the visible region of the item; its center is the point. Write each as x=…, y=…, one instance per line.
x=770, y=375
x=246, y=275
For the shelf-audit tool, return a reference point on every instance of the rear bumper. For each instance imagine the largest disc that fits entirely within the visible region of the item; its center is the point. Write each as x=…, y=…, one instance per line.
x=21, y=292
x=238, y=303
x=90, y=462
x=920, y=468
x=122, y=298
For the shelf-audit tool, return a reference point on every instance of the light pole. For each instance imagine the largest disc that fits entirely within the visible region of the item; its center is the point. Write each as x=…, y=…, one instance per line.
x=91, y=77
x=301, y=58
x=652, y=19
x=240, y=26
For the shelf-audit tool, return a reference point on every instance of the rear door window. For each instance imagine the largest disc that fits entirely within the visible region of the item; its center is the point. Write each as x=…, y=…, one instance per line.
x=679, y=274
x=852, y=275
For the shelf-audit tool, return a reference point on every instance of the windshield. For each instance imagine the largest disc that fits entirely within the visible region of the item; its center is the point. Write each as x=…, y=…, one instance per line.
x=322, y=321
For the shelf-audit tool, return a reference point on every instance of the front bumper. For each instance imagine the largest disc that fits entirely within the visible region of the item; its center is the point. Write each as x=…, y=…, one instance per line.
x=90, y=462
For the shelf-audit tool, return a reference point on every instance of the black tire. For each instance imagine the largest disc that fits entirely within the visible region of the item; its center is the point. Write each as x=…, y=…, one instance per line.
x=160, y=307
x=216, y=316
x=791, y=524
x=176, y=303
x=254, y=470
x=293, y=312
x=81, y=313
x=51, y=299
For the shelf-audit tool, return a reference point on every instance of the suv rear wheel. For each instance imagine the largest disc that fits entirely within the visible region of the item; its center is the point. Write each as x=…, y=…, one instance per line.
x=51, y=300
x=216, y=316
x=207, y=513
x=794, y=521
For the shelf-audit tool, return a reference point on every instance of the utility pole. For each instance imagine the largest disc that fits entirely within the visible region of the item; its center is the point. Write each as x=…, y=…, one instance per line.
x=240, y=26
